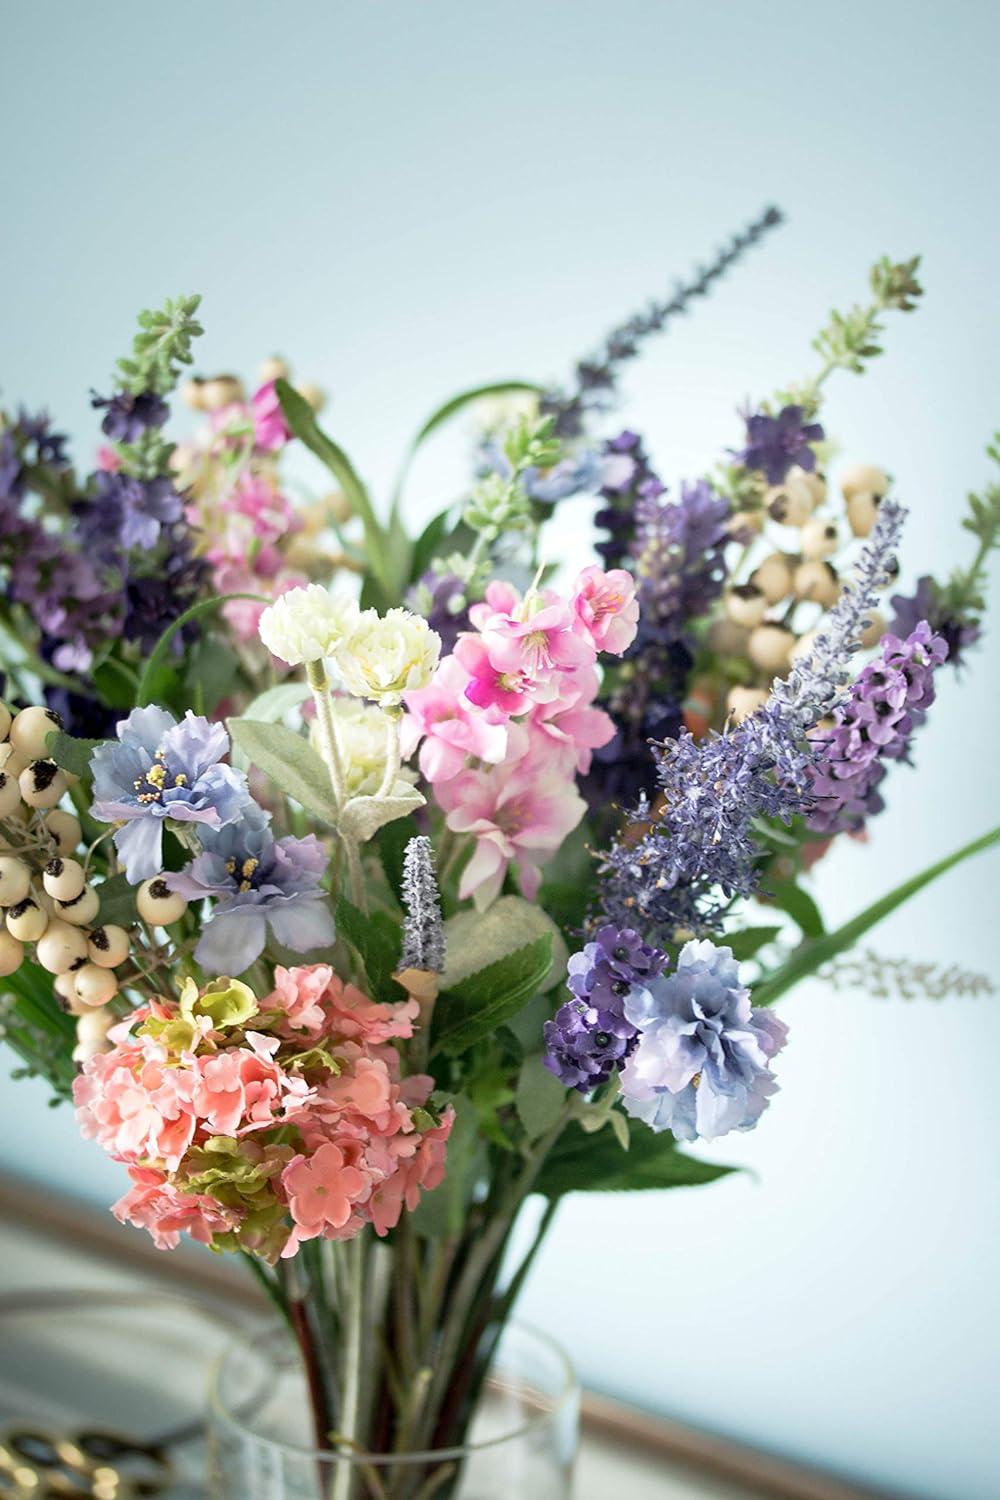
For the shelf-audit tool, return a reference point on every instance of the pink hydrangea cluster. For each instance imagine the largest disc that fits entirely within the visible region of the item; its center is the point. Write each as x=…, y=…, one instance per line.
x=261, y=1124
x=510, y=720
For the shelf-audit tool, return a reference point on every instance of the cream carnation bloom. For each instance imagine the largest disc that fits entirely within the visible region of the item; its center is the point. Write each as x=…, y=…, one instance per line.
x=388, y=655
x=361, y=736
x=307, y=624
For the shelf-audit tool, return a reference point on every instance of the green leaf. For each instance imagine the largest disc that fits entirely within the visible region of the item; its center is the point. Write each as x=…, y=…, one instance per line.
x=213, y=668
x=746, y=943
x=475, y=939
x=539, y=1098
x=582, y=1163
x=812, y=955
x=800, y=906
x=271, y=706
x=362, y=817
x=486, y=999
x=145, y=691
x=442, y=1213
x=290, y=762
x=451, y=408
x=376, y=940
x=70, y=753
x=302, y=420
x=117, y=902
x=427, y=544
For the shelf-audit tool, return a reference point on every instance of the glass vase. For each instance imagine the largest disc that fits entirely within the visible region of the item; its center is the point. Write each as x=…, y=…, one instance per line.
x=521, y=1442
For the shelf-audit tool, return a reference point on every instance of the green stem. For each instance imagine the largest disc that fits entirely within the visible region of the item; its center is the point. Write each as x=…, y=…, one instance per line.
x=159, y=651
x=319, y=682
x=350, y=1385
x=392, y=752
x=812, y=955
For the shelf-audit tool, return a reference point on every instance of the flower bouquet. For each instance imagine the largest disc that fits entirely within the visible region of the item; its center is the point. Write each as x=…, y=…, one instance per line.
x=369, y=894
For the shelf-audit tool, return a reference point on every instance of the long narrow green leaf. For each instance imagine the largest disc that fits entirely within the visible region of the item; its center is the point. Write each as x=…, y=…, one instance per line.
x=159, y=651
x=449, y=409
x=302, y=420
x=812, y=955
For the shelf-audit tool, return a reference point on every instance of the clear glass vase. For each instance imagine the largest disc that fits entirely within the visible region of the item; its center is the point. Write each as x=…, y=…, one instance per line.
x=522, y=1440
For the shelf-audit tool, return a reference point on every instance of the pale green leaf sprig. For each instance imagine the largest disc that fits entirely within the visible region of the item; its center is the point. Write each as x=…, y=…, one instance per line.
x=161, y=347
x=962, y=597
x=903, y=978
x=500, y=502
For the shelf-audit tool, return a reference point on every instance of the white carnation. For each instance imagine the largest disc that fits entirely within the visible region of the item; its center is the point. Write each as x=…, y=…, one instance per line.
x=388, y=655
x=307, y=624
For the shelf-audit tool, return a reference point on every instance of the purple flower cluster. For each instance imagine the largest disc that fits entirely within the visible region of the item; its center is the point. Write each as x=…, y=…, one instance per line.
x=888, y=702
x=258, y=883
x=678, y=557
x=701, y=1065
x=626, y=478
x=926, y=603
x=442, y=599
x=125, y=512
x=776, y=444
x=590, y=1036
x=127, y=416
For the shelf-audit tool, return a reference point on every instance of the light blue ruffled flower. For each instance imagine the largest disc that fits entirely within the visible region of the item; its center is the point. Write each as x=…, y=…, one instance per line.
x=258, y=882
x=701, y=1066
x=159, y=770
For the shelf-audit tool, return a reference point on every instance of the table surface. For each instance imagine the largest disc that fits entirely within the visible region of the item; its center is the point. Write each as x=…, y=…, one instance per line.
x=33, y=1262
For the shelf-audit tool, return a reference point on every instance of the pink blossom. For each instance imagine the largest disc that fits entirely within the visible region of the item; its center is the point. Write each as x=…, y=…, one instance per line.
x=316, y=1000
x=606, y=609
x=270, y=428
x=570, y=729
x=501, y=599
x=324, y=1188
x=538, y=646
x=518, y=814
x=450, y=728
x=154, y=1204
x=135, y=1106
x=487, y=686
x=108, y=461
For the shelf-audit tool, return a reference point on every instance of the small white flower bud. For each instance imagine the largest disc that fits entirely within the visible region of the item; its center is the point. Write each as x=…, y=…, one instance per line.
x=61, y=948
x=312, y=395
x=30, y=730
x=15, y=880
x=42, y=783
x=157, y=904
x=64, y=878
x=219, y=391
x=109, y=946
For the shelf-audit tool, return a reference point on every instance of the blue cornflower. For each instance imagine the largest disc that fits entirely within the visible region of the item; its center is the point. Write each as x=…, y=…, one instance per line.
x=160, y=770
x=701, y=1065
x=257, y=882
x=777, y=444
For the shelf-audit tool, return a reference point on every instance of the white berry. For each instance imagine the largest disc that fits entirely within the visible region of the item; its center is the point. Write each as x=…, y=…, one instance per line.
x=770, y=647
x=11, y=953
x=862, y=513
x=15, y=880
x=819, y=539
x=817, y=582
x=30, y=731
x=5, y=720
x=27, y=920
x=743, y=701
x=82, y=910
x=774, y=577
x=157, y=904
x=864, y=479
x=65, y=829
x=64, y=878
x=94, y=986
x=42, y=783
x=109, y=946
x=61, y=947
x=746, y=604
x=790, y=504
x=10, y=795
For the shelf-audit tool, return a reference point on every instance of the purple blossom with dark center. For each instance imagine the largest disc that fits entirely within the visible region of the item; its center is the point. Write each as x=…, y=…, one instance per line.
x=590, y=1035
x=701, y=1066
x=888, y=703
x=926, y=603
x=258, y=883
x=776, y=444
x=160, y=771
x=128, y=416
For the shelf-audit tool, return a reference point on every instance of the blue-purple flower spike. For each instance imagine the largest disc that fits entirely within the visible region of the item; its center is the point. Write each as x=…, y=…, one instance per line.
x=423, y=934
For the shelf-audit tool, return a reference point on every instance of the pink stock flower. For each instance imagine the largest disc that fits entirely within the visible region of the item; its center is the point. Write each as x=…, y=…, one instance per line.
x=450, y=729
x=270, y=428
x=500, y=599
x=488, y=686
x=324, y=1188
x=518, y=814
x=539, y=645
x=606, y=609
x=569, y=729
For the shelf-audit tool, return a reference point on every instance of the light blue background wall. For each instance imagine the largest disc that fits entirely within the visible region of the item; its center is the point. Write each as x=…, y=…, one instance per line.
x=408, y=198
